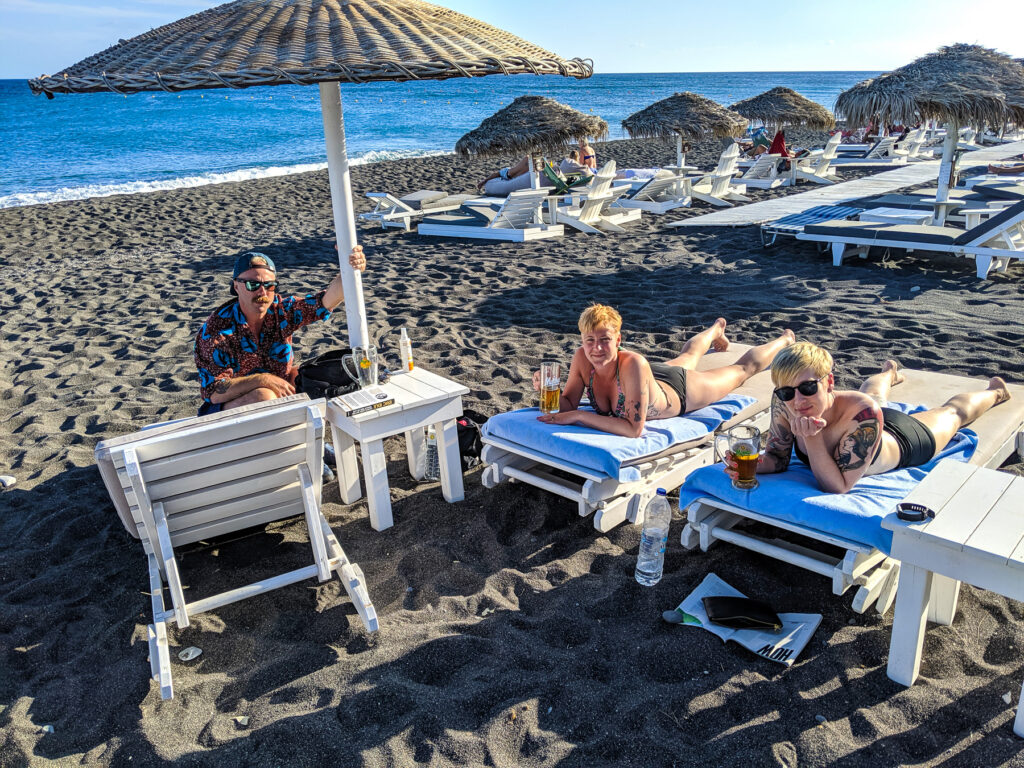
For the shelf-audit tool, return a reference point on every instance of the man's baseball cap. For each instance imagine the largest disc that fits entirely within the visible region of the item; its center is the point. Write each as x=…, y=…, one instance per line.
x=253, y=260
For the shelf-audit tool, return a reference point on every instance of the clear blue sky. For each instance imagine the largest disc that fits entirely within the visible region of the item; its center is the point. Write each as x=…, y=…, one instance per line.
x=44, y=36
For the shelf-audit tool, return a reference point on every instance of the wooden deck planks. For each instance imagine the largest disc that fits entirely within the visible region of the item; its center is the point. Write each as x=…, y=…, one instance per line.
x=843, y=193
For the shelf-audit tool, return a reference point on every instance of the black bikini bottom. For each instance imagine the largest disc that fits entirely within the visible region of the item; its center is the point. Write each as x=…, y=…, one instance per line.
x=916, y=441
x=675, y=377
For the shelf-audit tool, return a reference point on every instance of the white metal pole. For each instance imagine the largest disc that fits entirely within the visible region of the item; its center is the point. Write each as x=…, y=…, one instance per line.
x=341, y=204
x=680, y=160
x=946, y=168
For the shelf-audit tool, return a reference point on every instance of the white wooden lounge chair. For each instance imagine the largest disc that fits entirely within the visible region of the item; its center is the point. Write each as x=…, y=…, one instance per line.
x=863, y=566
x=764, y=173
x=515, y=220
x=717, y=187
x=399, y=212
x=817, y=166
x=659, y=194
x=590, y=209
x=992, y=243
x=793, y=224
x=189, y=480
x=881, y=153
x=608, y=498
x=912, y=146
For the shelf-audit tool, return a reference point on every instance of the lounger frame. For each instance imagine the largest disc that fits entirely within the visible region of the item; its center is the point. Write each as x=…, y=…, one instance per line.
x=609, y=500
x=869, y=571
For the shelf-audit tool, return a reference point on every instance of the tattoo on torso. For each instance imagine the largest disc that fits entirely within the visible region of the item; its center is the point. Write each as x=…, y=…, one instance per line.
x=780, y=439
x=855, y=448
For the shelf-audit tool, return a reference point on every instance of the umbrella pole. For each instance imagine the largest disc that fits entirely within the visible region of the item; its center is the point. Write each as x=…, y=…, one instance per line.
x=341, y=204
x=946, y=169
x=680, y=159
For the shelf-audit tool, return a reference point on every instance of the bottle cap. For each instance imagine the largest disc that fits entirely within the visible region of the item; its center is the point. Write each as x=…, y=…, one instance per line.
x=662, y=492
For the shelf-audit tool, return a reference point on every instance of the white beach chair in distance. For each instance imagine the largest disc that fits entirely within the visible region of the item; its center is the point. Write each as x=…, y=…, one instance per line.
x=590, y=209
x=193, y=479
x=992, y=243
x=660, y=194
x=881, y=153
x=862, y=566
x=399, y=212
x=610, y=500
x=717, y=187
x=515, y=220
x=764, y=173
x=817, y=167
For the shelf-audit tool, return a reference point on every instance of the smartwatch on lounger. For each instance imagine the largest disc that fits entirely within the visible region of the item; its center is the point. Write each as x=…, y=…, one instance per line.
x=913, y=513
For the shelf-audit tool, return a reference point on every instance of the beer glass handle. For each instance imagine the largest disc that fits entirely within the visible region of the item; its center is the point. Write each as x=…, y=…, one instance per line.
x=718, y=446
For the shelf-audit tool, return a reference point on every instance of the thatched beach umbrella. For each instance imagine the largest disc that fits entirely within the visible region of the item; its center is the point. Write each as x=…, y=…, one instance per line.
x=277, y=42
x=958, y=85
x=686, y=117
x=530, y=124
x=781, y=106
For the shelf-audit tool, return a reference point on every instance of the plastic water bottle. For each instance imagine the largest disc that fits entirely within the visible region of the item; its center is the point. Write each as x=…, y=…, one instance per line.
x=432, y=465
x=650, y=561
x=405, y=351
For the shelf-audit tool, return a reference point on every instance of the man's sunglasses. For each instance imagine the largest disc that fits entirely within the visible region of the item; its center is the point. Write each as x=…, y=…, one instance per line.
x=254, y=285
x=805, y=388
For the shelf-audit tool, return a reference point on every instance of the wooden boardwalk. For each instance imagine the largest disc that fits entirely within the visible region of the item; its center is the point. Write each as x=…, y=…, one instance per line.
x=844, y=192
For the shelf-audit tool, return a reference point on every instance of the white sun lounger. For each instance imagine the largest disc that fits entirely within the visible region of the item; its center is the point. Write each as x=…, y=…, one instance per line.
x=399, y=212
x=717, y=187
x=591, y=210
x=610, y=500
x=189, y=480
x=863, y=565
x=817, y=166
x=516, y=220
x=659, y=194
x=992, y=243
x=763, y=173
x=881, y=153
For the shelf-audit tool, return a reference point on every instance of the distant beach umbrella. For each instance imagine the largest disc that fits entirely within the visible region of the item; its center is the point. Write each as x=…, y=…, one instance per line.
x=531, y=124
x=958, y=85
x=779, y=107
x=686, y=117
x=276, y=42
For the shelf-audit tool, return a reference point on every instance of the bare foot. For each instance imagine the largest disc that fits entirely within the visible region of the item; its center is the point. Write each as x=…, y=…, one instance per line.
x=789, y=336
x=719, y=342
x=894, y=368
x=997, y=383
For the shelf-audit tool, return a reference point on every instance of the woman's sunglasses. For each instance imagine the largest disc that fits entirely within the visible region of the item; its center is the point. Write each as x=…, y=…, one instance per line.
x=805, y=388
x=254, y=285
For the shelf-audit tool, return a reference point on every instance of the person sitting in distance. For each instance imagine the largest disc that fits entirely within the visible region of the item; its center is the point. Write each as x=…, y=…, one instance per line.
x=510, y=172
x=571, y=165
x=626, y=391
x=244, y=350
x=588, y=156
x=844, y=435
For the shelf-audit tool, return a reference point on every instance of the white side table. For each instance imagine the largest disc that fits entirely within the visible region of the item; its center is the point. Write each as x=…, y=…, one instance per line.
x=977, y=536
x=422, y=399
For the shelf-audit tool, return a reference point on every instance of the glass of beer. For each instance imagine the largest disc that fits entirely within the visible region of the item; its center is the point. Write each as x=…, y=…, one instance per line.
x=744, y=443
x=550, y=386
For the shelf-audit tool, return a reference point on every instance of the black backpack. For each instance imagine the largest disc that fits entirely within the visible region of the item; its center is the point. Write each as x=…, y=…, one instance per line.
x=470, y=442
x=325, y=376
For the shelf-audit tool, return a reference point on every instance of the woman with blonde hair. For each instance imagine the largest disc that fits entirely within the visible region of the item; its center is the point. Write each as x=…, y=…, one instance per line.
x=626, y=391
x=844, y=435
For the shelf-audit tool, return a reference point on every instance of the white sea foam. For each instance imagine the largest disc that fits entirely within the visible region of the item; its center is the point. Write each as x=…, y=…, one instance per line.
x=199, y=180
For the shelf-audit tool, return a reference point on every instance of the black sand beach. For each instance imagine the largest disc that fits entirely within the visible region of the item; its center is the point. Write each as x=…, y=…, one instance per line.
x=512, y=633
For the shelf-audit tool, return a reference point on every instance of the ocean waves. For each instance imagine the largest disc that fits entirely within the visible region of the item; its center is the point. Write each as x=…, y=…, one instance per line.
x=198, y=180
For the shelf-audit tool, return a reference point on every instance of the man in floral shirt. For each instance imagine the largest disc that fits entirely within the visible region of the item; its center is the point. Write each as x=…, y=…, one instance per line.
x=244, y=349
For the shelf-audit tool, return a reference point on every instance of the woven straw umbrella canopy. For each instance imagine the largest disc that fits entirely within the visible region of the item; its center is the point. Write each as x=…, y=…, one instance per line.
x=276, y=42
x=530, y=124
x=686, y=117
x=781, y=106
x=958, y=85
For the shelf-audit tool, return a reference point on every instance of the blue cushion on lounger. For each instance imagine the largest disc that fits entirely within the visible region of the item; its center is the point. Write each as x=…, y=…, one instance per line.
x=605, y=453
x=793, y=496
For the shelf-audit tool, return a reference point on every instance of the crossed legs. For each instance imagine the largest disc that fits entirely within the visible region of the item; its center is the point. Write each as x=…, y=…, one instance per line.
x=944, y=421
x=706, y=387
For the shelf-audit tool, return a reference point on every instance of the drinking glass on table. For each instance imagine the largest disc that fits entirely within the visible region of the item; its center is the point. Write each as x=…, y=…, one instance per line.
x=744, y=444
x=367, y=362
x=550, y=386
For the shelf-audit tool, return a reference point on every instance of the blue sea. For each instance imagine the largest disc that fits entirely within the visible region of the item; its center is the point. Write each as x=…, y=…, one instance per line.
x=88, y=145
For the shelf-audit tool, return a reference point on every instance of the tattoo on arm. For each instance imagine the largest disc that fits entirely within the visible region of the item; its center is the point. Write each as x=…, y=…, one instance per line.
x=780, y=439
x=853, y=450
x=222, y=386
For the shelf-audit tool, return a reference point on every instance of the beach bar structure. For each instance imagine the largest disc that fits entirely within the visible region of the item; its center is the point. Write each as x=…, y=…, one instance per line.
x=248, y=43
